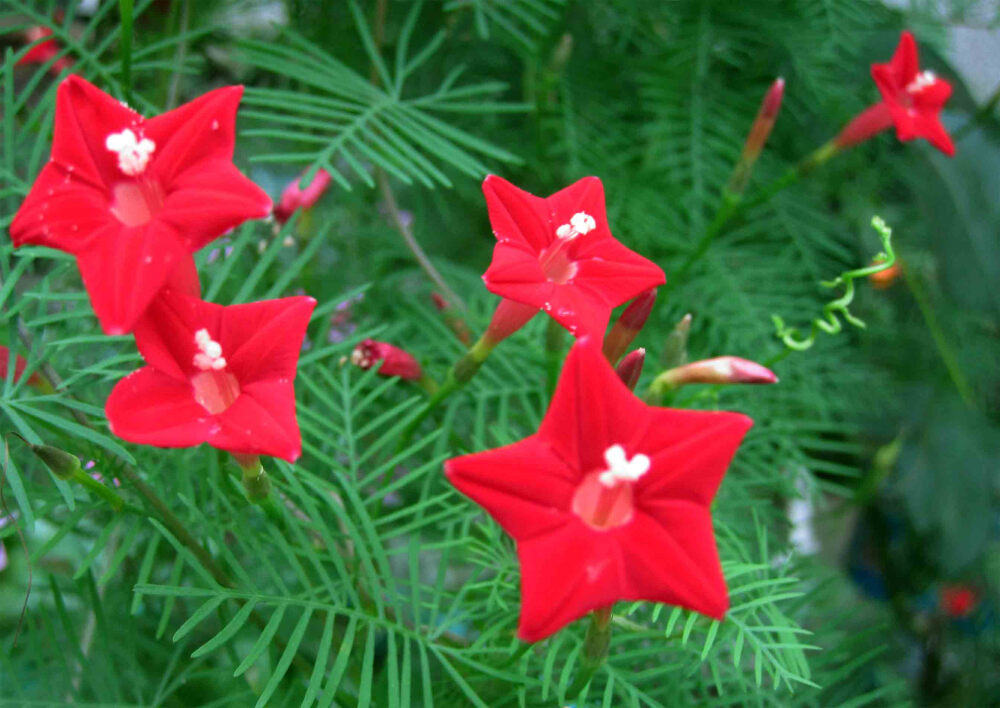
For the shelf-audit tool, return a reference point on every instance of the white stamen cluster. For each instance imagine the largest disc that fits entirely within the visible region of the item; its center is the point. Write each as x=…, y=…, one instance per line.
x=580, y=223
x=360, y=357
x=622, y=469
x=922, y=81
x=210, y=357
x=133, y=153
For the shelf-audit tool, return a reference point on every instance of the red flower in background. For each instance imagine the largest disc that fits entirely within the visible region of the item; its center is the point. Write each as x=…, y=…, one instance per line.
x=914, y=98
x=296, y=197
x=44, y=51
x=558, y=254
x=221, y=375
x=19, y=367
x=958, y=600
x=609, y=500
x=132, y=198
x=911, y=100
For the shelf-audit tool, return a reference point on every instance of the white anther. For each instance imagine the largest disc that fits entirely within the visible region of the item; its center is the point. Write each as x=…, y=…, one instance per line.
x=209, y=358
x=580, y=223
x=583, y=222
x=359, y=358
x=133, y=153
x=922, y=81
x=622, y=469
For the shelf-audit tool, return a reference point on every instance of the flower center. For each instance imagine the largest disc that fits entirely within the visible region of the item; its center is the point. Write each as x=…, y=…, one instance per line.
x=604, y=498
x=555, y=260
x=136, y=202
x=133, y=152
x=920, y=82
x=214, y=388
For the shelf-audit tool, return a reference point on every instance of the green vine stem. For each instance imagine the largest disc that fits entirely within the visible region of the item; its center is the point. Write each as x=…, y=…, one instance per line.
x=127, y=15
x=833, y=310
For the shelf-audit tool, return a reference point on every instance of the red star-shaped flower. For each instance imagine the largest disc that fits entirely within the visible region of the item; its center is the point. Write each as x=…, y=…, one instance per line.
x=609, y=500
x=914, y=98
x=221, y=375
x=558, y=254
x=132, y=198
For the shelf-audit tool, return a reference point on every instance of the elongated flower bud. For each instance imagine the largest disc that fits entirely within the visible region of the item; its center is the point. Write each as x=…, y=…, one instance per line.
x=628, y=326
x=675, y=348
x=721, y=370
x=62, y=464
x=509, y=317
x=295, y=196
x=394, y=361
x=757, y=137
x=630, y=368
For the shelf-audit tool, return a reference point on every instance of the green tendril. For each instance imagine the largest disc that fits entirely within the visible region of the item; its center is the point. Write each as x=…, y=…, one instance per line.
x=833, y=310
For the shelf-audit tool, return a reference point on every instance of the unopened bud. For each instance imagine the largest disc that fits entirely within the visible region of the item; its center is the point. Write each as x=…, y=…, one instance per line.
x=20, y=365
x=675, y=348
x=757, y=137
x=721, y=370
x=630, y=368
x=628, y=326
x=509, y=317
x=60, y=463
x=295, y=196
x=394, y=361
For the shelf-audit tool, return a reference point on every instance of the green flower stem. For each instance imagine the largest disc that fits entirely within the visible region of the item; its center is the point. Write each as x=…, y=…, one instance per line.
x=554, y=337
x=102, y=490
x=257, y=486
x=460, y=373
x=733, y=204
x=595, y=650
x=127, y=16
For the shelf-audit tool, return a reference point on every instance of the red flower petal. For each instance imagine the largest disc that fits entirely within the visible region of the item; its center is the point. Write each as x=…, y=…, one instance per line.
x=124, y=268
x=525, y=501
x=262, y=340
x=261, y=422
x=516, y=215
x=61, y=211
x=207, y=200
x=151, y=408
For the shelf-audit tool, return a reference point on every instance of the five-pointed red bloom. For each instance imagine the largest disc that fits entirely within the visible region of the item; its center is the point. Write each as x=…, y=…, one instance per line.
x=221, y=375
x=609, y=500
x=558, y=254
x=911, y=100
x=132, y=198
x=914, y=98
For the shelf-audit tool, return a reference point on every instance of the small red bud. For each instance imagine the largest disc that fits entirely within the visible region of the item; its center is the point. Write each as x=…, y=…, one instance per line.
x=295, y=196
x=630, y=368
x=628, y=326
x=394, y=361
x=509, y=317
x=19, y=366
x=758, y=135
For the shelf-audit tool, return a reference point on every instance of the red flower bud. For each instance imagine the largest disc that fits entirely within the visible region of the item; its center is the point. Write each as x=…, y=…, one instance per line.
x=19, y=366
x=757, y=137
x=44, y=51
x=629, y=325
x=958, y=600
x=721, y=370
x=295, y=196
x=509, y=317
x=630, y=368
x=395, y=361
